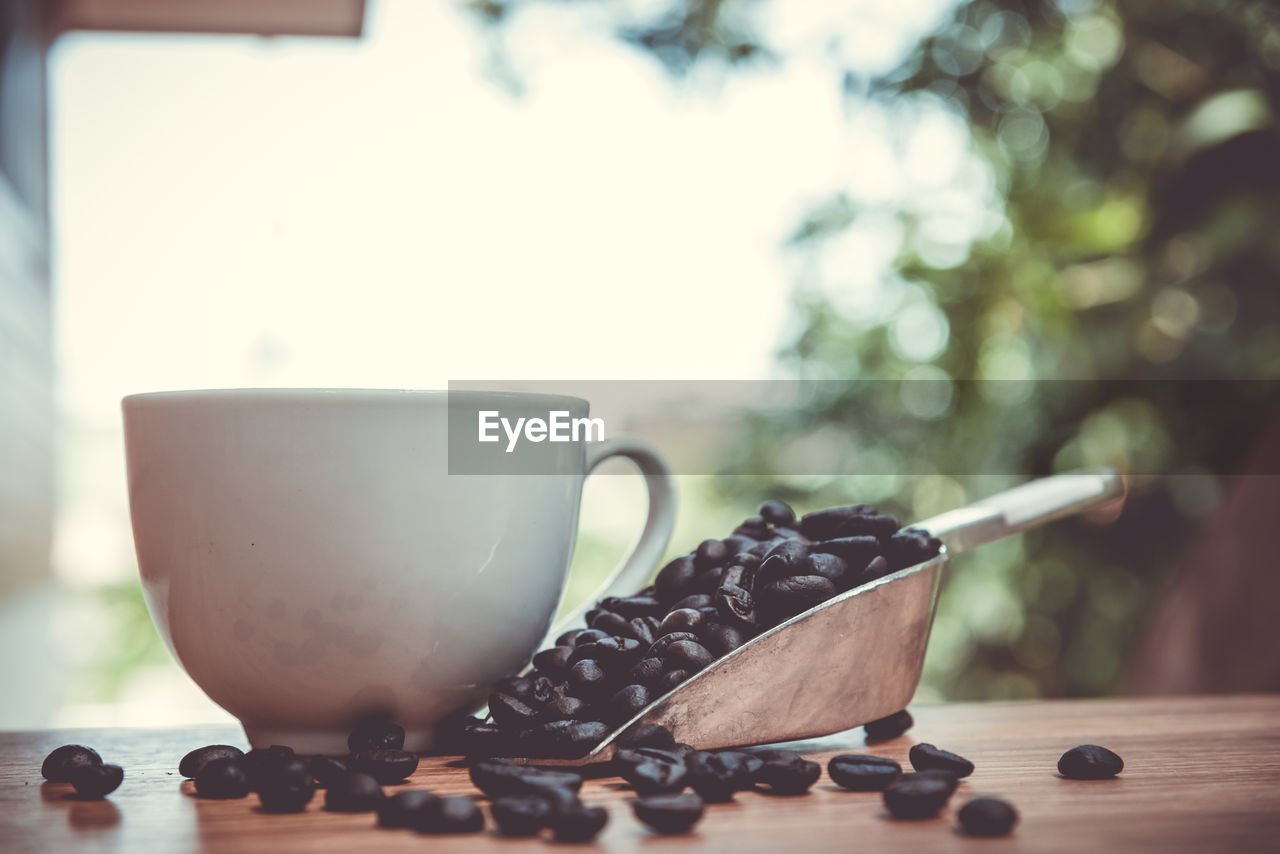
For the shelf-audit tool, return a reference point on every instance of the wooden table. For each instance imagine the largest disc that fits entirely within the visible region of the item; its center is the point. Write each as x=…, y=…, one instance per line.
x=1201, y=774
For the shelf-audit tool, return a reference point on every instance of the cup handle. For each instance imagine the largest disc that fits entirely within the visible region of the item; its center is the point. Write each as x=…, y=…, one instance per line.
x=634, y=570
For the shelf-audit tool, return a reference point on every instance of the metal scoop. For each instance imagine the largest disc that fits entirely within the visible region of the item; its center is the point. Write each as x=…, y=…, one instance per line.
x=856, y=657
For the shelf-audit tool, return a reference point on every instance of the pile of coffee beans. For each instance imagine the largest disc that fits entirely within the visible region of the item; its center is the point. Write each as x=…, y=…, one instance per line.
x=700, y=607
x=84, y=769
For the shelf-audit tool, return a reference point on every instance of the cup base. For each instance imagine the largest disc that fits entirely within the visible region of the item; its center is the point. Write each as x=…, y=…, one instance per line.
x=326, y=742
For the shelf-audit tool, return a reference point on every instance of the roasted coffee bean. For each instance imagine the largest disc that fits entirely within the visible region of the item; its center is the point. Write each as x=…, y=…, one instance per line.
x=746, y=560
x=326, y=769
x=543, y=689
x=834, y=521
x=669, y=813
x=646, y=735
x=1089, y=762
x=385, y=766
x=497, y=778
x=737, y=574
x=627, y=702
x=562, y=739
x=64, y=761
x=355, y=792
x=402, y=808
x=450, y=815
x=507, y=711
x=721, y=639
x=589, y=636
x=793, y=552
x=375, y=732
x=626, y=757
x=681, y=620
x=222, y=778
x=926, y=757
x=777, y=513
x=676, y=578
x=711, y=553
x=609, y=651
x=191, y=764
x=788, y=776
x=987, y=817
x=710, y=613
x=554, y=662
x=710, y=580
x=562, y=708
x=775, y=754
x=659, y=647
x=672, y=679
x=878, y=567
x=774, y=569
x=889, y=727
x=633, y=606
x=581, y=824
x=265, y=763
x=855, y=551
x=520, y=815
x=652, y=776
x=829, y=566
x=687, y=655
x=736, y=606
x=860, y=772
x=737, y=544
x=609, y=623
x=919, y=795
x=289, y=791
x=643, y=629
x=911, y=546
x=586, y=678
x=694, y=601
x=92, y=782
x=717, y=776
x=790, y=596
x=760, y=549
x=568, y=638
x=755, y=527
x=647, y=672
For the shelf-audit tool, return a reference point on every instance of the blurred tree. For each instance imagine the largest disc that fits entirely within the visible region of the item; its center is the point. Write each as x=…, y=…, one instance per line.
x=1114, y=219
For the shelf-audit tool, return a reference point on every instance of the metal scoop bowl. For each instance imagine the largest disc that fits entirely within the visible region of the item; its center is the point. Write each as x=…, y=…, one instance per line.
x=856, y=657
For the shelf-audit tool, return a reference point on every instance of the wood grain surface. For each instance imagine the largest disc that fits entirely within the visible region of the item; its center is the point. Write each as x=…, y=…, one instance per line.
x=1201, y=774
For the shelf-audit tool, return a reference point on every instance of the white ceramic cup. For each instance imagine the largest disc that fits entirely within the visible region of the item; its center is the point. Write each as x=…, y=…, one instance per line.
x=308, y=557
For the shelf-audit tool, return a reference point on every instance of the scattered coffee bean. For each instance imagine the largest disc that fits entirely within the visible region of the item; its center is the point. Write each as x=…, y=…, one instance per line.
x=889, y=727
x=987, y=817
x=288, y=792
x=717, y=776
x=1089, y=762
x=375, y=733
x=919, y=795
x=63, y=762
x=222, y=778
x=263, y=763
x=92, y=782
x=402, y=808
x=669, y=813
x=788, y=776
x=652, y=776
x=385, y=766
x=355, y=792
x=580, y=824
x=497, y=778
x=326, y=769
x=863, y=773
x=449, y=815
x=191, y=764
x=926, y=757
x=521, y=815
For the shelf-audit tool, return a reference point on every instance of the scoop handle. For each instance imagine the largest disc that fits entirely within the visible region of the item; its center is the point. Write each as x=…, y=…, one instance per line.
x=1024, y=507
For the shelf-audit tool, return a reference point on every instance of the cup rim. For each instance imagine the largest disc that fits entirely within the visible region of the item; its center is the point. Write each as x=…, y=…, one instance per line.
x=338, y=396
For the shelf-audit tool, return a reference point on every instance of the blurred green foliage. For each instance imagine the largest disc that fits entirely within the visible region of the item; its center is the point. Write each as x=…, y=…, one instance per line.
x=1115, y=218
